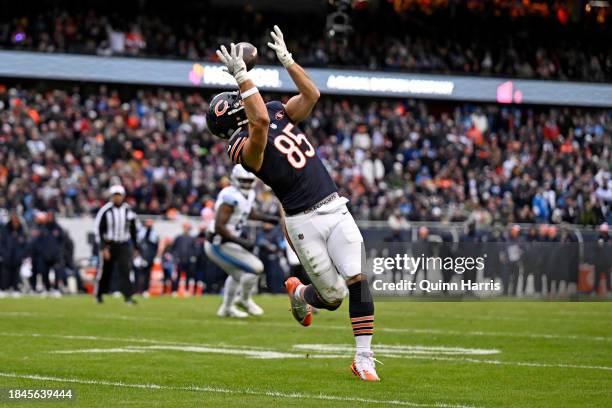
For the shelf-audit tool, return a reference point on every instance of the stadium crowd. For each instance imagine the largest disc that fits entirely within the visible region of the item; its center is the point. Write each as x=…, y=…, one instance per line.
x=447, y=40
x=60, y=149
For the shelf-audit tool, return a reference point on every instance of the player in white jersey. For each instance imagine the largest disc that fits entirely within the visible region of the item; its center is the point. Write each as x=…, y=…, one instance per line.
x=229, y=250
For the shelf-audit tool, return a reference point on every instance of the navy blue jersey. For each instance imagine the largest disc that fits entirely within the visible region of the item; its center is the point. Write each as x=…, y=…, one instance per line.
x=290, y=165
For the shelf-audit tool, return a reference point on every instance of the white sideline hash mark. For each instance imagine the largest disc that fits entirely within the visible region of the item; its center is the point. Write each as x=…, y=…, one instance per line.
x=217, y=390
x=262, y=354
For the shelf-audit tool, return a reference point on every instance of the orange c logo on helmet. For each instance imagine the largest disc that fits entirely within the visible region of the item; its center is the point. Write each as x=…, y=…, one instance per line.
x=221, y=107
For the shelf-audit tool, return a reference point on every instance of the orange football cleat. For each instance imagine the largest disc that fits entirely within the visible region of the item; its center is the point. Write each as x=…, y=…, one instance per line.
x=300, y=310
x=364, y=366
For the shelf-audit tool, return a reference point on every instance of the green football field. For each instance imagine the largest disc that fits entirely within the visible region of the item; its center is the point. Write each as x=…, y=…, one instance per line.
x=176, y=352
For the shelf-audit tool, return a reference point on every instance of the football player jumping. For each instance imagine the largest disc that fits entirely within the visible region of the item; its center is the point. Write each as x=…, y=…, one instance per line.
x=226, y=247
x=264, y=139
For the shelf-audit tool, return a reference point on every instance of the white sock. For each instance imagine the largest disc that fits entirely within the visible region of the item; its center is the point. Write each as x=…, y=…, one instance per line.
x=229, y=292
x=247, y=282
x=299, y=292
x=363, y=343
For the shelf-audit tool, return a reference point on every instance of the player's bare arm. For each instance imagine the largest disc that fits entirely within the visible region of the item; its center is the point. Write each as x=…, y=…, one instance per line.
x=221, y=218
x=254, y=106
x=299, y=106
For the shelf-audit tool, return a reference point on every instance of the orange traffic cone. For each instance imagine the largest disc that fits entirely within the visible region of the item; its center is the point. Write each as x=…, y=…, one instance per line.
x=156, y=280
x=602, y=290
x=182, y=292
x=200, y=288
x=191, y=290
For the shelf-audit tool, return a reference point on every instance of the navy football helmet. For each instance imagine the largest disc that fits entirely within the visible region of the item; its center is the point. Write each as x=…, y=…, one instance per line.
x=226, y=115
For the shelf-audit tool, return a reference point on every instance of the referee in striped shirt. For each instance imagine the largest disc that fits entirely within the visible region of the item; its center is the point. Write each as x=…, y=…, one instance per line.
x=116, y=232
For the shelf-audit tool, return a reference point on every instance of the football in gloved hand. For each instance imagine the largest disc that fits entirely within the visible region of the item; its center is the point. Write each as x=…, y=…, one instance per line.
x=249, y=54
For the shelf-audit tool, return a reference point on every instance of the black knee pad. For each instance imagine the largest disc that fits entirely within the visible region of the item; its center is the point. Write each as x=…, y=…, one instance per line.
x=313, y=298
x=332, y=307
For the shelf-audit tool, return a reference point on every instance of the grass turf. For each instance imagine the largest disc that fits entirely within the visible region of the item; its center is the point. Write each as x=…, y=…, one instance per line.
x=550, y=354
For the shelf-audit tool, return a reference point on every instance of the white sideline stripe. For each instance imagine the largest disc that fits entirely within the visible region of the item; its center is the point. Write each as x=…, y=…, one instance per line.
x=395, y=350
x=229, y=391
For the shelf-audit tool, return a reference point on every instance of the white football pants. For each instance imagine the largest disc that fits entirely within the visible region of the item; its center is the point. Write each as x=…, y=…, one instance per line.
x=329, y=245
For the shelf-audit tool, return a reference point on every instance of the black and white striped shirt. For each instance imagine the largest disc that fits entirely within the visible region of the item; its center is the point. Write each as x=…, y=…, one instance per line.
x=116, y=224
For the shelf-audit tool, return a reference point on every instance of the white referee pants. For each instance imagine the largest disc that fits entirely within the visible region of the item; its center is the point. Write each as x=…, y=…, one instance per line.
x=330, y=247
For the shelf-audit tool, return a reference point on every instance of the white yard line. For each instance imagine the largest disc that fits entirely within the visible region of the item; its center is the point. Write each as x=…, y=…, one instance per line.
x=231, y=391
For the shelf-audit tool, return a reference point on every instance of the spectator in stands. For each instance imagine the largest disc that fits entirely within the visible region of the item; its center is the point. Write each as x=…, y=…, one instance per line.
x=434, y=171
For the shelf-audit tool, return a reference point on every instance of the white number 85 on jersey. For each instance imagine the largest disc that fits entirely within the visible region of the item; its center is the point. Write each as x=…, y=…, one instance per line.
x=288, y=143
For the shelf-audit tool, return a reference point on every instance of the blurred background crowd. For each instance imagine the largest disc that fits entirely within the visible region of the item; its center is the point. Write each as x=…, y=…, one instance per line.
x=59, y=150
x=504, y=38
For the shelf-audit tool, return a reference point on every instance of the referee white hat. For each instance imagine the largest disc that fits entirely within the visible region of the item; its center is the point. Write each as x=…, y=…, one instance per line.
x=117, y=189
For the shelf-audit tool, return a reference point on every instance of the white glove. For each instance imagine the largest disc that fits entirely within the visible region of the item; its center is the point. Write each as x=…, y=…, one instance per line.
x=234, y=62
x=284, y=56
